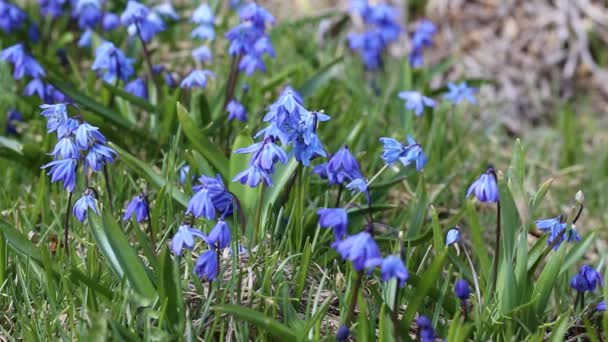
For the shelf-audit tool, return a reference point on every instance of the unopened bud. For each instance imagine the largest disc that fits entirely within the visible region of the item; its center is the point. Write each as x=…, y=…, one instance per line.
x=579, y=197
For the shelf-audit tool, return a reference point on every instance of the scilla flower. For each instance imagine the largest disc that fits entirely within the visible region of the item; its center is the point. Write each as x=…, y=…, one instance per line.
x=201, y=204
x=264, y=154
x=453, y=236
x=23, y=63
x=221, y=199
x=137, y=87
x=236, y=111
x=184, y=238
x=334, y=218
x=140, y=21
x=11, y=16
x=555, y=227
x=63, y=170
x=485, y=187
x=342, y=166
x=87, y=135
x=253, y=176
x=52, y=8
x=416, y=101
x=88, y=12
x=462, y=290
x=12, y=118
x=204, y=18
x=197, y=78
x=138, y=207
x=358, y=249
x=56, y=115
x=586, y=280
x=85, y=202
x=112, y=63
x=601, y=306
x=206, y=267
x=460, y=92
x=202, y=54
x=390, y=267
x=220, y=235
x=98, y=156
x=425, y=329
x=407, y=154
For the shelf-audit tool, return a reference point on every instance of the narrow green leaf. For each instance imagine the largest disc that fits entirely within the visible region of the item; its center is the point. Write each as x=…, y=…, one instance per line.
x=557, y=335
x=438, y=243
x=239, y=162
x=168, y=289
x=510, y=219
x=201, y=143
x=135, y=100
x=546, y=281
x=258, y=319
x=19, y=242
x=322, y=76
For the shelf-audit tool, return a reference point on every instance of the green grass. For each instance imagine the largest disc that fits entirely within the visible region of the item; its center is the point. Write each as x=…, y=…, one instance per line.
x=293, y=286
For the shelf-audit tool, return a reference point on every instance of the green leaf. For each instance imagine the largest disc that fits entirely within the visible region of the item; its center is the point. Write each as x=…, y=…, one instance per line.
x=143, y=169
x=323, y=75
x=539, y=196
x=258, y=319
x=239, y=162
x=577, y=252
x=557, y=335
x=280, y=180
x=169, y=290
x=510, y=219
x=19, y=242
x=123, y=259
x=135, y=100
x=546, y=281
x=201, y=143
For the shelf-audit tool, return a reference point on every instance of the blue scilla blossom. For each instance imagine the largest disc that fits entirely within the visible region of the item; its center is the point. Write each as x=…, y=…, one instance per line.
x=306, y=143
x=460, y=92
x=159, y=69
x=138, y=87
x=555, y=228
x=287, y=110
x=52, y=8
x=23, y=63
x=110, y=22
x=134, y=13
x=242, y=38
x=203, y=15
x=220, y=235
x=485, y=187
x=67, y=128
x=586, y=280
x=253, y=176
x=425, y=329
x=87, y=135
x=84, y=203
x=140, y=21
x=98, y=156
x=265, y=154
x=601, y=306
x=184, y=238
x=63, y=170
x=166, y=10
x=86, y=38
x=66, y=148
x=138, y=207
x=220, y=197
x=343, y=333
x=11, y=16
x=453, y=236
x=422, y=39
x=358, y=249
x=35, y=87
x=112, y=62
x=256, y=14
x=390, y=267
x=206, y=267
x=184, y=171
x=54, y=95
x=462, y=289
x=251, y=63
x=342, y=166
x=236, y=111
x=203, y=32
x=197, y=78
x=12, y=118
x=202, y=54
x=201, y=204
x=359, y=185
x=416, y=101
x=334, y=218
x=88, y=12
x=33, y=33
x=56, y=115
x=406, y=154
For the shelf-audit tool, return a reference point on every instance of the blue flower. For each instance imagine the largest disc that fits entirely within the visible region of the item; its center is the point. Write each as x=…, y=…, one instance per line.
x=460, y=92
x=253, y=176
x=220, y=235
x=485, y=187
x=390, y=267
x=184, y=238
x=264, y=154
x=425, y=329
x=86, y=38
x=12, y=117
x=359, y=185
x=462, y=289
x=358, y=249
x=601, y=306
x=197, y=78
x=203, y=15
x=587, y=279
x=23, y=63
x=98, y=156
x=422, y=38
x=112, y=62
x=63, y=170
x=334, y=218
x=555, y=227
x=66, y=148
x=416, y=101
x=83, y=204
x=206, y=266
x=11, y=17
x=56, y=115
x=87, y=135
x=201, y=205
x=138, y=207
x=68, y=127
x=202, y=54
x=452, y=237
x=183, y=174
x=110, y=21
x=134, y=13
x=137, y=87
x=203, y=32
x=166, y=10
x=342, y=166
x=236, y=111
x=88, y=12
x=140, y=21
x=220, y=197
x=256, y=14
x=343, y=333
x=412, y=153
x=35, y=86
x=33, y=33
x=306, y=143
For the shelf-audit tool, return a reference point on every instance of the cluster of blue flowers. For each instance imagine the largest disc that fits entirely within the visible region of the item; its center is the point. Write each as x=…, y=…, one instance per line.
x=79, y=143
x=11, y=16
x=421, y=39
x=381, y=30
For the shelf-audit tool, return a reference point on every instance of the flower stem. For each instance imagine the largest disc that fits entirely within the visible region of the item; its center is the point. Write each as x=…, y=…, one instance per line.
x=258, y=213
x=66, y=226
x=232, y=78
x=496, y=248
x=106, y=176
x=340, y=188
x=396, y=313
x=148, y=61
x=150, y=229
x=374, y=177
x=353, y=299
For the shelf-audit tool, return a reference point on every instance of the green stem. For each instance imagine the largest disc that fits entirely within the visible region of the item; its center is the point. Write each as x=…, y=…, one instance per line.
x=258, y=213
x=396, y=313
x=496, y=248
x=66, y=226
x=353, y=299
x=150, y=229
x=149, y=62
x=339, y=195
x=106, y=176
